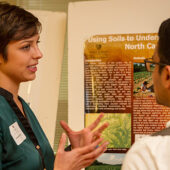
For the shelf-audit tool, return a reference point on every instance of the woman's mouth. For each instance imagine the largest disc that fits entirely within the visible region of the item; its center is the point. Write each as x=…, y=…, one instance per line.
x=32, y=68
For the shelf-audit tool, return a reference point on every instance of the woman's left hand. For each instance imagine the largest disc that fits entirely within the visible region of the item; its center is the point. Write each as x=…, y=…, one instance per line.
x=86, y=135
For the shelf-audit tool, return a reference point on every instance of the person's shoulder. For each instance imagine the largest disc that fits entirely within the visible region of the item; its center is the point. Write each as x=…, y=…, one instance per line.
x=2, y=101
x=4, y=106
x=150, y=142
x=146, y=151
x=164, y=132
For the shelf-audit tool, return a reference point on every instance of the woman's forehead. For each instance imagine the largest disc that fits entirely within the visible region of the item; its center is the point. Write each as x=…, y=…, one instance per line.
x=32, y=39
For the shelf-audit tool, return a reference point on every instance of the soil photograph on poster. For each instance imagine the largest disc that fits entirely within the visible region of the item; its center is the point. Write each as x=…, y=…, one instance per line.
x=118, y=134
x=143, y=85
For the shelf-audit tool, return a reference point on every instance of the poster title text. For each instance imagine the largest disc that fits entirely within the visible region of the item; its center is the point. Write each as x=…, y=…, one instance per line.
x=130, y=41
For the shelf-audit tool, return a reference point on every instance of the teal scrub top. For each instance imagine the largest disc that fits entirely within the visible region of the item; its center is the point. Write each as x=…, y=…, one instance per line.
x=17, y=151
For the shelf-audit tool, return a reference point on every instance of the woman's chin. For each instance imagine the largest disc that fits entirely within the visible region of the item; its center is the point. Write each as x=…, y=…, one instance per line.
x=29, y=78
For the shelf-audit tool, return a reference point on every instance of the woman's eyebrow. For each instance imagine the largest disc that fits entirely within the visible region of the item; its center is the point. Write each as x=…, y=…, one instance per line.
x=29, y=40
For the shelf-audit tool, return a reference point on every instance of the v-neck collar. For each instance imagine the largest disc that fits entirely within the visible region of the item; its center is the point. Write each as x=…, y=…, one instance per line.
x=6, y=94
x=9, y=97
x=23, y=119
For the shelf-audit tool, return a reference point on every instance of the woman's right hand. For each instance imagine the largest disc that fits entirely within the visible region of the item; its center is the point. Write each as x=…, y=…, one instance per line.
x=79, y=157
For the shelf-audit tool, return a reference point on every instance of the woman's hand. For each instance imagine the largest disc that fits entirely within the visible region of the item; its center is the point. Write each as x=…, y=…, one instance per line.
x=78, y=158
x=86, y=135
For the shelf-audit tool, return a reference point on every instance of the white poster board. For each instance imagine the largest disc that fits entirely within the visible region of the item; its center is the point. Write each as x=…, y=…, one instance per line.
x=43, y=92
x=86, y=19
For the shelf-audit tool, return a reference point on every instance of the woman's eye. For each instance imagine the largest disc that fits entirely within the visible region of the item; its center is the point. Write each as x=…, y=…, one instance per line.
x=26, y=47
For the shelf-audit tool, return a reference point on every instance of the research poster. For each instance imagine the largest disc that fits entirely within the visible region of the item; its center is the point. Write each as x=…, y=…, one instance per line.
x=117, y=84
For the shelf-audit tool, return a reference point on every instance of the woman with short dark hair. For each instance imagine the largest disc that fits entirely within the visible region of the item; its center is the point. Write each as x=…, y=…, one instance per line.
x=23, y=144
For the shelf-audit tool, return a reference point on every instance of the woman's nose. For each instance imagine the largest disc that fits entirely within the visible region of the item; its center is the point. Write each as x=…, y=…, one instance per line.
x=37, y=53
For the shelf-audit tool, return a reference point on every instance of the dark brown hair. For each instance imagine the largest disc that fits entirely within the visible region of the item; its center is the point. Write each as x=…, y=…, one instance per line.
x=15, y=24
x=164, y=43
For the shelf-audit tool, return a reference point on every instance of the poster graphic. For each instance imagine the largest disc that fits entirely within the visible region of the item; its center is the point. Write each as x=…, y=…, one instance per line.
x=118, y=134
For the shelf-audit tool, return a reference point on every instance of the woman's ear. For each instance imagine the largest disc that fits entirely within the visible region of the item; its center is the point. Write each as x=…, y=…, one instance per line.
x=166, y=76
x=1, y=59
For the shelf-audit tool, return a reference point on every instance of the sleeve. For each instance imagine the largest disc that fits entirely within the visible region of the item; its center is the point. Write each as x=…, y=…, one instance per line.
x=0, y=149
x=139, y=157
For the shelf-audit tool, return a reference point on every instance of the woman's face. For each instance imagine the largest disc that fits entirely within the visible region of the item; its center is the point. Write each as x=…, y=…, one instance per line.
x=23, y=56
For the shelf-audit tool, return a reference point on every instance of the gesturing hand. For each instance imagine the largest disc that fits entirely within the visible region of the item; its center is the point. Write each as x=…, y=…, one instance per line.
x=77, y=158
x=86, y=135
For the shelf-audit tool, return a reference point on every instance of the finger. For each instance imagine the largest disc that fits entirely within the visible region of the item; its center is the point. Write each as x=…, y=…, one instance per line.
x=91, y=157
x=97, y=152
x=101, y=129
x=90, y=147
x=65, y=126
x=96, y=122
x=62, y=142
